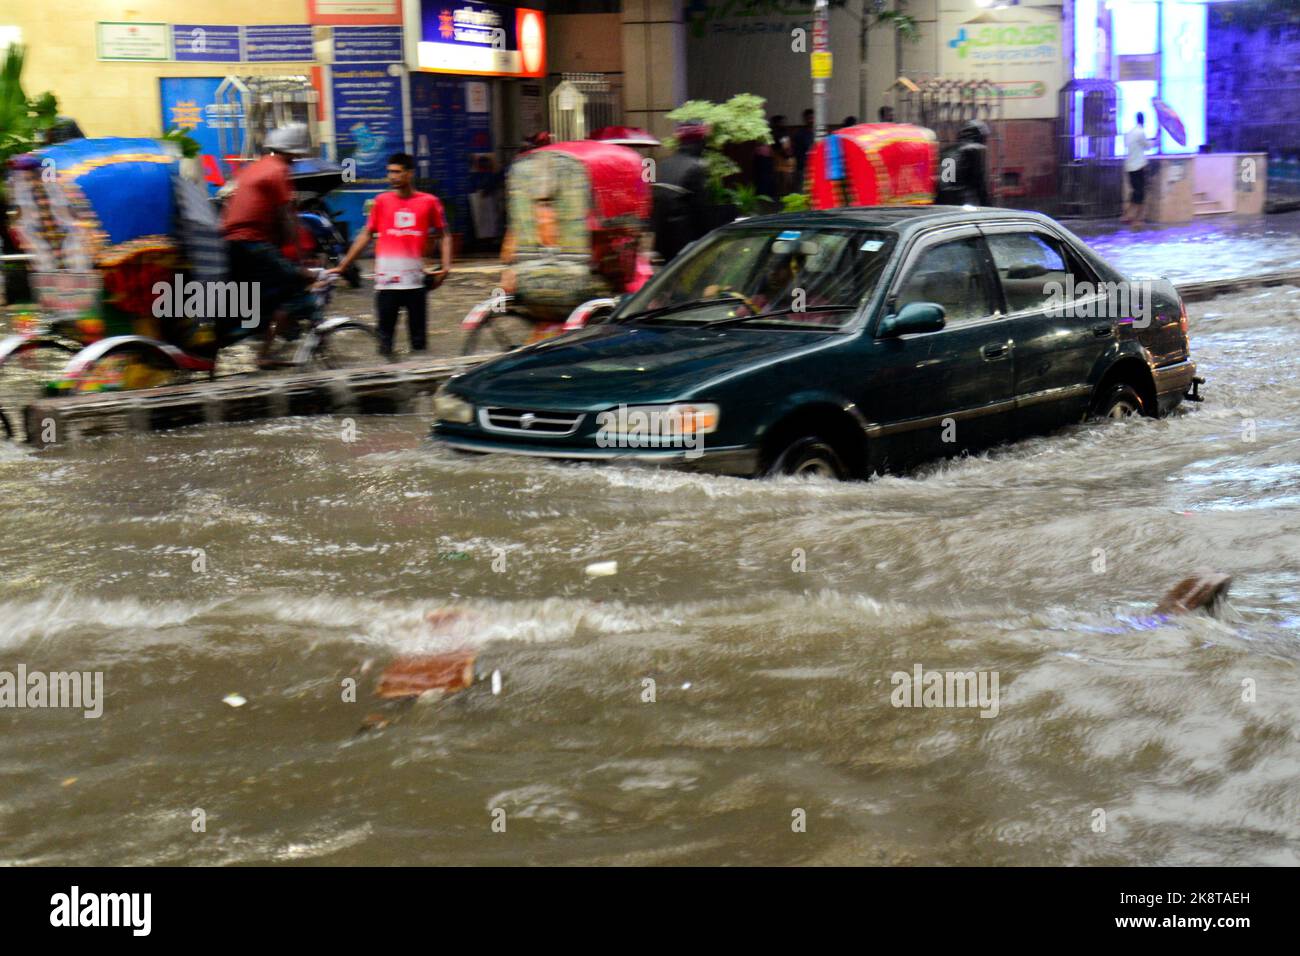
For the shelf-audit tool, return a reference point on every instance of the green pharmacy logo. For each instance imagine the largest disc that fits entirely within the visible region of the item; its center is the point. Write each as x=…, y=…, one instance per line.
x=1004, y=42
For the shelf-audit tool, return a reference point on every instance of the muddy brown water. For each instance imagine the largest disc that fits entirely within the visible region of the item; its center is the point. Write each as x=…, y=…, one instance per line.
x=772, y=686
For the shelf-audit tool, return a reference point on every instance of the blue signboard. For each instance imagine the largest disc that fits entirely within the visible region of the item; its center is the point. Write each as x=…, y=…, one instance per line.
x=189, y=103
x=368, y=118
x=210, y=43
x=283, y=43
x=376, y=44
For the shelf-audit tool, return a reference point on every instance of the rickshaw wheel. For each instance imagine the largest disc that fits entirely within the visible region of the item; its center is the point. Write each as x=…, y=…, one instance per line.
x=128, y=370
x=353, y=343
x=499, y=332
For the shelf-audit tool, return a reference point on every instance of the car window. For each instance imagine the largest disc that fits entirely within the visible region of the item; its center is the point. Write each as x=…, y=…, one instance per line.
x=951, y=274
x=802, y=276
x=1030, y=267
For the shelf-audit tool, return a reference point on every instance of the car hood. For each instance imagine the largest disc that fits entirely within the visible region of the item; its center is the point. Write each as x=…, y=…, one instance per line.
x=614, y=364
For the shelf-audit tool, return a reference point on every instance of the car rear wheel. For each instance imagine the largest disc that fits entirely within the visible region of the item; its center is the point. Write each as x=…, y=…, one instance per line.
x=1122, y=401
x=809, y=456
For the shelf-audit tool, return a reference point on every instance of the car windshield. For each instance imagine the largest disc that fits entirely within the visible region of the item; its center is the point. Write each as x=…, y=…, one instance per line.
x=815, y=278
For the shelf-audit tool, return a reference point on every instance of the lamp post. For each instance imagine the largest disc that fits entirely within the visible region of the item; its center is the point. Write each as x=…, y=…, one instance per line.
x=821, y=65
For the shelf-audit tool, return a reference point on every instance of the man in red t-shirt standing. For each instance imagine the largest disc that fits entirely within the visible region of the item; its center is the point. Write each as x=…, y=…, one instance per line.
x=405, y=222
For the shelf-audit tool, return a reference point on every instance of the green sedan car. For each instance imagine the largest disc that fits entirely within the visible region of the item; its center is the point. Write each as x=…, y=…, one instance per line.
x=841, y=343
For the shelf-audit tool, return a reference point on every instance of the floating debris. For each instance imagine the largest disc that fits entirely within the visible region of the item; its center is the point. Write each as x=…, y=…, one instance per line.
x=431, y=674
x=496, y=683
x=234, y=700
x=1204, y=590
x=602, y=569
x=444, y=617
x=373, y=722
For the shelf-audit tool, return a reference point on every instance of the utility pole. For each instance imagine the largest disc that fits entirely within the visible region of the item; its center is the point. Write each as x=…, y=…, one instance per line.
x=821, y=65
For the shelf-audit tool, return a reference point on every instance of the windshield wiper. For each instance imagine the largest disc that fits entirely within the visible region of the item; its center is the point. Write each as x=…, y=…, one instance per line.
x=680, y=307
x=736, y=319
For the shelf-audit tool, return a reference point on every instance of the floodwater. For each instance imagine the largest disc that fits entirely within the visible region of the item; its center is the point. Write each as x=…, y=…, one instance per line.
x=277, y=560
x=1209, y=247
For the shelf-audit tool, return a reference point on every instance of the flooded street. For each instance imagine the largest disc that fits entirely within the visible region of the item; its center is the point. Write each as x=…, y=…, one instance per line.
x=277, y=560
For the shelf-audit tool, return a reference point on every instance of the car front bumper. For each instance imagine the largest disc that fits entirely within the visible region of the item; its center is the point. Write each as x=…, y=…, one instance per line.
x=736, y=460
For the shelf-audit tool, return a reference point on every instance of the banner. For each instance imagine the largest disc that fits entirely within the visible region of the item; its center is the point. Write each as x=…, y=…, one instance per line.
x=207, y=43
x=368, y=118
x=281, y=43
x=1019, y=49
x=378, y=44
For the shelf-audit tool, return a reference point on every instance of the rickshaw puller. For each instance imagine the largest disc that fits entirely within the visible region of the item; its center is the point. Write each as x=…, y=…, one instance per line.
x=257, y=221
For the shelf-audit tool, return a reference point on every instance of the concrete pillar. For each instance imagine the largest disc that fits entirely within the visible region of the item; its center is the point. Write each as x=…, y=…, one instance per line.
x=654, y=62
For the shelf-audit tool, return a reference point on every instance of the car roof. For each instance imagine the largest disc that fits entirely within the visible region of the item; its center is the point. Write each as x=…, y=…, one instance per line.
x=901, y=219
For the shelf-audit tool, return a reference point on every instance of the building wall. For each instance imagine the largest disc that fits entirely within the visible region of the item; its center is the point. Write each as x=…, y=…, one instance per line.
x=584, y=43
x=116, y=98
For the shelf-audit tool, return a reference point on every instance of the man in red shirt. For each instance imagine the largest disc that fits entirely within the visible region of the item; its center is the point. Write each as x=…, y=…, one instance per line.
x=259, y=219
x=405, y=222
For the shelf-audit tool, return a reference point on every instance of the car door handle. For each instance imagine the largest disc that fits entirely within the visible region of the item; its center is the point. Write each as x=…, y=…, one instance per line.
x=995, y=350
x=1101, y=331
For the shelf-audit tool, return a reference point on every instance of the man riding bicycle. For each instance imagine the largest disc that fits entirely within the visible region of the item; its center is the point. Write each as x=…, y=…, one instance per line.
x=259, y=219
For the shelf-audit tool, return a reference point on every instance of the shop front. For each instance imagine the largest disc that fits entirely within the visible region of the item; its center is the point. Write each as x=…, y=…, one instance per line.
x=474, y=91
x=1149, y=57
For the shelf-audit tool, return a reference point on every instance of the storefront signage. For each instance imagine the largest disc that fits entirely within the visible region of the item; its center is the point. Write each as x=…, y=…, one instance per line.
x=368, y=118
x=377, y=44
x=282, y=43
x=1018, y=50
x=465, y=37
x=354, y=11
x=207, y=43
x=132, y=41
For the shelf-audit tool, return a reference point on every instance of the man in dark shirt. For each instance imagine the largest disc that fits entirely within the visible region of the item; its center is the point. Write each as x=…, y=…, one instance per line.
x=681, y=209
x=802, y=141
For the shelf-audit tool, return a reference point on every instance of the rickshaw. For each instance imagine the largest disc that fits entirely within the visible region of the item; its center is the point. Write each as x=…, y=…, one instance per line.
x=874, y=164
x=577, y=213
x=105, y=222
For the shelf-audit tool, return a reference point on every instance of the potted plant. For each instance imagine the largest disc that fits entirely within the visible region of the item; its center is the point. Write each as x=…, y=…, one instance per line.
x=740, y=119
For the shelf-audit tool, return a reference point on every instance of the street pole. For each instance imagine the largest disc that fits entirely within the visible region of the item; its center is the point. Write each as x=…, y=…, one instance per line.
x=821, y=65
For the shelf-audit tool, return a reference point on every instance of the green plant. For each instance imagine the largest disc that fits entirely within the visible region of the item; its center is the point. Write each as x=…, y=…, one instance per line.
x=747, y=199
x=22, y=119
x=740, y=119
x=795, y=202
x=188, y=144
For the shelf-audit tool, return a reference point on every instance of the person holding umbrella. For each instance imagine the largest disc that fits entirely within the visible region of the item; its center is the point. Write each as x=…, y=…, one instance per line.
x=1135, y=167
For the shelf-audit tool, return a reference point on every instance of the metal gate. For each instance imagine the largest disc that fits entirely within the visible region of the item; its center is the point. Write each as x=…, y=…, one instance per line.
x=945, y=104
x=1090, y=175
x=583, y=103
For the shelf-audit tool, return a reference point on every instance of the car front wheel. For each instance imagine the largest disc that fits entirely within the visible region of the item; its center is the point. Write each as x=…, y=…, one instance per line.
x=1122, y=401
x=808, y=456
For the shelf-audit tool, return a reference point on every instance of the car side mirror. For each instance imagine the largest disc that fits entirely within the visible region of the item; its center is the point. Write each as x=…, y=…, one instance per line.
x=915, y=317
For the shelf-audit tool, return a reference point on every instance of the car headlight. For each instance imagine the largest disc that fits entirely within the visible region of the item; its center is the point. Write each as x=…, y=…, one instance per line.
x=660, y=421
x=451, y=408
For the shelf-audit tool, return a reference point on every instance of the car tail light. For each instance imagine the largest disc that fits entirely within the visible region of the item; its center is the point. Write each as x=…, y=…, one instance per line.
x=1182, y=316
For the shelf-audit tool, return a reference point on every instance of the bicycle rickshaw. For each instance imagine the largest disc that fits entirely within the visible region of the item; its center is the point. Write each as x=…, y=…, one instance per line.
x=874, y=164
x=577, y=213
x=108, y=223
